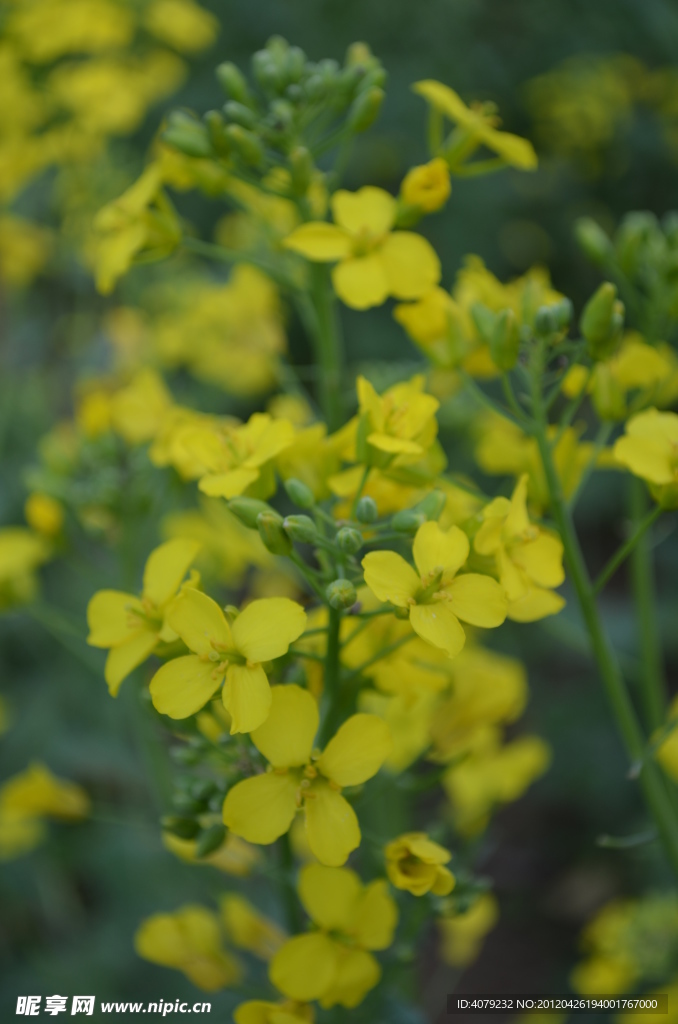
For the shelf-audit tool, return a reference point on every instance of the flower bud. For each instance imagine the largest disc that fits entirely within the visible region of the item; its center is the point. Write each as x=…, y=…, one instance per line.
x=246, y=145
x=210, y=840
x=545, y=321
x=247, y=510
x=593, y=240
x=184, y=828
x=505, y=340
x=602, y=322
x=270, y=526
x=301, y=169
x=608, y=397
x=484, y=320
x=407, y=521
x=341, y=594
x=215, y=130
x=365, y=109
x=233, y=82
x=240, y=114
x=187, y=134
x=299, y=493
x=295, y=64
x=563, y=312
x=300, y=528
x=637, y=231
x=432, y=505
x=203, y=790
x=366, y=510
x=349, y=540
x=266, y=71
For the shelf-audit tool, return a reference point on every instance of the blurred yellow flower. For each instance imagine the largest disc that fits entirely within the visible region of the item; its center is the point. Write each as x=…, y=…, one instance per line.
x=402, y=421
x=427, y=187
x=21, y=552
x=189, y=940
x=417, y=864
x=247, y=928
x=374, y=261
x=28, y=798
x=44, y=514
x=462, y=933
x=182, y=24
x=649, y=449
x=24, y=250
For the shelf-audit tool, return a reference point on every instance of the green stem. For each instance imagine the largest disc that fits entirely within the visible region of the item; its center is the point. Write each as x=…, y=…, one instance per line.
x=622, y=553
x=632, y=735
x=327, y=346
x=332, y=676
x=642, y=581
x=288, y=894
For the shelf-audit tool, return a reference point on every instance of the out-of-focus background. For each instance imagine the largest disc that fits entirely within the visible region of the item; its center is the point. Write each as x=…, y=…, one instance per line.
x=595, y=87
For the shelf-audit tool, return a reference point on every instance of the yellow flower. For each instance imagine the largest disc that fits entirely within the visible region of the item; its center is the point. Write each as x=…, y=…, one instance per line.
x=608, y=975
x=649, y=449
x=190, y=941
x=462, y=934
x=234, y=856
x=529, y=560
x=249, y=929
x=408, y=717
x=434, y=594
x=428, y=186
x=181, y=23
x=262, y=808
x=44, y=514
x=334, y=964
x=48, y=29
x=24, y=249
x=402, y=421
x=21, y=552
x=131, y=627
x=478, y=125
x=139, y=409
x=417, y=864
x=225, y=654
x=235, y=458
x=259, y=1011
x=374, y=261
x=26, y=799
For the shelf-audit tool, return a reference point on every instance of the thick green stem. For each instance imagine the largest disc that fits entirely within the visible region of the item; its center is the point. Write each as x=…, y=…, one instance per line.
x=652, y=784
x=327, y=347
x=642, y=579
x=332, y=676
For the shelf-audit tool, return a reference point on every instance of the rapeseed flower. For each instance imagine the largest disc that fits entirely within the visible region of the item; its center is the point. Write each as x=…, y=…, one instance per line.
x=427, y=187
x=528, y=560
x=181, y=24
x=334, y=964
x=131, y=627
x=44, y=514
x=262, y=808
x=373, y=260
x=249, y=929
x=21, y=552
x=462, y=933
x=417, y=864
x=402, y=421
x=649, y=449
x=189, y=940
x=225, y=654
x=30, y=797
x=435, y=596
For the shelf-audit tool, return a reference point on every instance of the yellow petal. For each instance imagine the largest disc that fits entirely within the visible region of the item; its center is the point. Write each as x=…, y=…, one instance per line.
x=228, y=485
x=370, y=210
x=536, y=603
x=304, y=967
x=183, y=686
x=361, y=281
x=517, y=520
x=375, y=917
x=477, y=599
x=261, y=809
x=388, y=443
x=320, y=242
x=199, y=620
x=124, y=659
x=246, y=696
x=331, y=825
x=357, y=751
x=390, y=577
x=444, y=99
x=357, y=973
x=646, y=457
x=437, y=624
x=436, y=549
x=541, y=559
x=410, y=263
x=286, y=737
x=515, y=150
x=110, y=618
x=265, y=629
x=166, y=568
x=329, y=895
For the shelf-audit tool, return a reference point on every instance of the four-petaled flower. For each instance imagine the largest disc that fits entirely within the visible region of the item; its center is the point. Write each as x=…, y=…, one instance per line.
x=262, y=808
x=649, y=449
x=415, y=863
x=434, y=595
x=230, y=654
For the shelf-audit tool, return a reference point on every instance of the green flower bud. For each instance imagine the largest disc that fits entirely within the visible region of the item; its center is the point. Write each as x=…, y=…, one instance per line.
x=505, y=340
x=638, y=230
x=594, y=242
x=295, y=64
x=301, y=169
x=366, y=510
x=188, y=135
x=234, y=84
x=563, y=312
x=545, y=321
x=203, y=790
x=365, y=109
x=300, y=528
x=184, y=828
x=315, y=88
x=407, y=520
x=266, y=71
x=602, y=322
x=484, y=320
x=350, y=540
x=608, y=397
x=432, y=505
x=247, y=510
x=184, y=804
x=299, y=493
x=246, y=144
x=270, y=526
x=210, y=840
x=240, y=114
x=341, y=594
x=215, y=129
